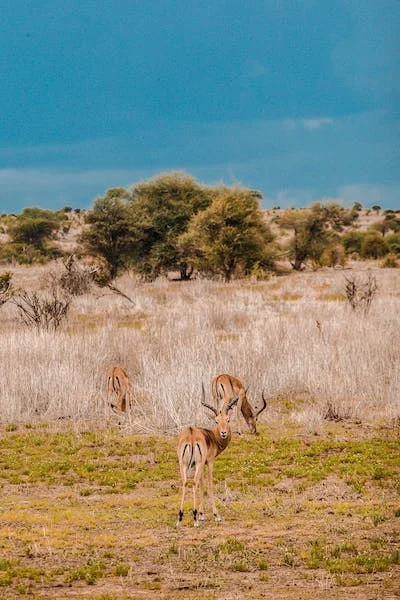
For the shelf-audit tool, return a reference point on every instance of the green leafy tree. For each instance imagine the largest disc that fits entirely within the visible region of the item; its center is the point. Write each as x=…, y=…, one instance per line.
x=108, y=235
x=314, y=230
x=36, y=226
x=230, y=237
x=160, y=211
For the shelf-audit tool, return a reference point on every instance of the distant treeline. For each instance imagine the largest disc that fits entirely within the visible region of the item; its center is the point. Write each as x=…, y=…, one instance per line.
x=174, y=223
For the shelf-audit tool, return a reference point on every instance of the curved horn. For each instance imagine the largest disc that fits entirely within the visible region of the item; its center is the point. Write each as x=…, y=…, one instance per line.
x=203, y=398
x=264, y=406
x=232, y=403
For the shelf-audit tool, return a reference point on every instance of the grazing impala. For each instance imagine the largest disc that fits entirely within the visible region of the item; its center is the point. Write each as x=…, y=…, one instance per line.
x=225, y=387
x=118, y=383
x=198, y=447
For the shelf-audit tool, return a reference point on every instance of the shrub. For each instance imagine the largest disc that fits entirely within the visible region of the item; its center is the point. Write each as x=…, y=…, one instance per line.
x=76, y=279
x=332, y=256
x=361, y=294
x=352, y=242
x=373, y=245
x=390, y=262
x=44, y=310
x=6, y=290
x=393, y=243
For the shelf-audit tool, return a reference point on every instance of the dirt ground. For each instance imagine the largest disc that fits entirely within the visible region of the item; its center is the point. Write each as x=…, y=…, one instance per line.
x=318, y=521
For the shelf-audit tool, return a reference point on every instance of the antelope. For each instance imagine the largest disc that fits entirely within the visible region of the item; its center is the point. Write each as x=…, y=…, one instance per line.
x=118, y=383
x=198, y=447
x=225, y=387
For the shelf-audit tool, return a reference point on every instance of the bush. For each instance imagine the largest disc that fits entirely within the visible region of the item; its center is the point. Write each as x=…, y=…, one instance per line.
x=44, y=310
x=352, y=242
x=76, y=279
x=373, y=245
x=335, y=255
x=361, y=294
x=22, y=254
x=393, y=243
x=390, y=262
x=6, y=289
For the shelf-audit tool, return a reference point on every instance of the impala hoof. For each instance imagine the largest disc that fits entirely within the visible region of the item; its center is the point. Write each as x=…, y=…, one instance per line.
x=217, y=519
x=196, y=524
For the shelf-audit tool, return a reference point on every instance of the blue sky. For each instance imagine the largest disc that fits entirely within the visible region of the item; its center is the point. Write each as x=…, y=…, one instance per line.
x=298, y=99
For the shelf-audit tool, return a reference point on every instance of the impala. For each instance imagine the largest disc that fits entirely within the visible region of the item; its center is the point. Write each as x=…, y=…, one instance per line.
x=225, y=387
x=118, y=383
x=198, y=447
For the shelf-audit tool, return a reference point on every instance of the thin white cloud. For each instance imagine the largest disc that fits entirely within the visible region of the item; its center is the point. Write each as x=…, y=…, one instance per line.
x=311, y=124
x=316, y=123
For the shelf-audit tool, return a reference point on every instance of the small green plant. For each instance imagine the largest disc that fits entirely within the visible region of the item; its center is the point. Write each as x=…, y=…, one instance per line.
x=263, y=564
x=122, y=570
x=11, y=427
x=241, y=565
x=90, y=572
x=230, y=545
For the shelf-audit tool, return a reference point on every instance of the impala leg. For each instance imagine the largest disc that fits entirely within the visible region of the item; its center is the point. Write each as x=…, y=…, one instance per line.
x=197, y=487
x=211, y=491
x=120, y=405
x=239, y=415
x=129, y=406
x=184, y=479
x=107, y=408
x=201, y=495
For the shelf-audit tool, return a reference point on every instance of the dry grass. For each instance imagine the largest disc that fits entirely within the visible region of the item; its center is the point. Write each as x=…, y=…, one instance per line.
x=293, y=336
x=89, y=511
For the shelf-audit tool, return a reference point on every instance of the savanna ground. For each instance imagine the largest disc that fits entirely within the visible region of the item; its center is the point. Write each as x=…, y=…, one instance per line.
x=310, y=507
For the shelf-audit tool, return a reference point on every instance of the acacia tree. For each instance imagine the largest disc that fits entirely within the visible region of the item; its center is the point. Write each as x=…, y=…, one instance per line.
x=160, y=211
x=314, y=230
x=230, y=237
x=109, y=232
x=35, y=226
x=31, y=235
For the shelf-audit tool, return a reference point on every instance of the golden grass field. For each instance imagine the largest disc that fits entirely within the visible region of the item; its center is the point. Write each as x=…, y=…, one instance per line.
x=310, y=507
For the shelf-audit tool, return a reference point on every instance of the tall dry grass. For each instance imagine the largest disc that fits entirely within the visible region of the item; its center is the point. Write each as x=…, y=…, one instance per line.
x=295, y=337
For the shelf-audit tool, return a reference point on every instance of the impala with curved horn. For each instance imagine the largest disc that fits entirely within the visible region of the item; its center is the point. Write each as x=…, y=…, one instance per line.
x=225, y=387
x=198, y=447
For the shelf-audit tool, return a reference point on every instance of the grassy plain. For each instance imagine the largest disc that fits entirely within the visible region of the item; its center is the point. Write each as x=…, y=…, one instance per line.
x=90, y=513
x=310, y=507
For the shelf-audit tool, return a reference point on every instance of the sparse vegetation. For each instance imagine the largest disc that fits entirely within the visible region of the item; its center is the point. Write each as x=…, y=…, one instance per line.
x=6, y=288
x=361, y=294
x=298, y=508
x=309, y=504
